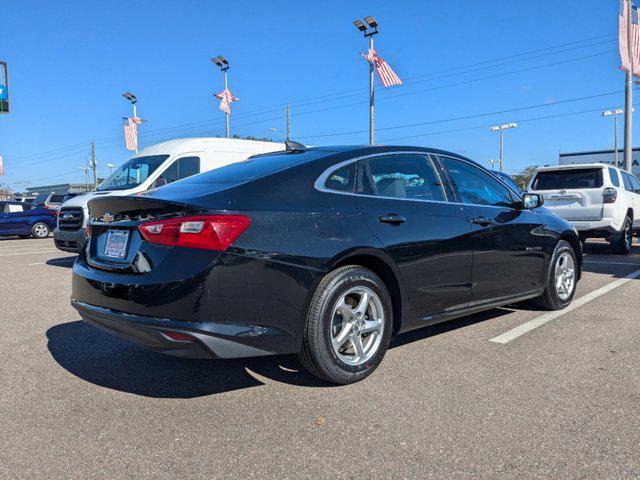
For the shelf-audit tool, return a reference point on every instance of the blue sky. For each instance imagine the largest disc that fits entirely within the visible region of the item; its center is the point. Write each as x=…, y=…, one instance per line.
x=70, y=61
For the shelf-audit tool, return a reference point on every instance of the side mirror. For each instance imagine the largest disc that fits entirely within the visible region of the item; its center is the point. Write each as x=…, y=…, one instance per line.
x=532, y=200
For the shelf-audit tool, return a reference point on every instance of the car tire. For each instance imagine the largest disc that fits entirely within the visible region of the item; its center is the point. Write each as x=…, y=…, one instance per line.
x=622, y=242
x=346, y=333
x=555, y=296
x=40, y=230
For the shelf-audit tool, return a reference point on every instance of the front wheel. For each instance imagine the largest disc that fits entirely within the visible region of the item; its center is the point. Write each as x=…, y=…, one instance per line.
x=561, y=280
x=40, y=230
x=621, y=244
x=348, y=326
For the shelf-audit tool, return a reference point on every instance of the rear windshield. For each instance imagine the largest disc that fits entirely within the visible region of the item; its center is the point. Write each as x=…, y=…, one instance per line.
x=255, y=167
x=568, y=179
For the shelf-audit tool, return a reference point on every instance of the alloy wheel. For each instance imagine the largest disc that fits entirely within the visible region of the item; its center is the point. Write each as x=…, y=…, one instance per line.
x=565, y=276
x=357, y=325
x=41, y=230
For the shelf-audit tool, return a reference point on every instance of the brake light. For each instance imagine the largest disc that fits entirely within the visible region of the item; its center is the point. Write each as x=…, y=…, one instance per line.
x=209, y=232
x=609, y=195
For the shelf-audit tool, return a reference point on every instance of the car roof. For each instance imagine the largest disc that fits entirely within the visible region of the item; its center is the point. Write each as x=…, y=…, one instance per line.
x=234, y=145
x=574, y=166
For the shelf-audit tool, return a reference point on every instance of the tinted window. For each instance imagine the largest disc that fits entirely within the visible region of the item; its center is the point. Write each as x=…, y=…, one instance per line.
x=257, y=166
x=188, y=166
x=342, y=178
x=566, y=179
x=627, y=181
x=56, y=199
x=635, y=184
x=404, y=176
x=133, y=173
x=613, y=174
x=475, y=186
x=509, y=181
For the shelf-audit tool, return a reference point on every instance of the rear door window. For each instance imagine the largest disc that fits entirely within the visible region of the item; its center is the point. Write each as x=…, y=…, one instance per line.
x=613, y=174
x=568, y=179
x=408, y=176
x=188, y=166
x=627, y=181
x=635, y=184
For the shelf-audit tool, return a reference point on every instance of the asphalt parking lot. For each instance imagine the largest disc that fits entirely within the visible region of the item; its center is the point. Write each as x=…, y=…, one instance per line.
x=477, y=397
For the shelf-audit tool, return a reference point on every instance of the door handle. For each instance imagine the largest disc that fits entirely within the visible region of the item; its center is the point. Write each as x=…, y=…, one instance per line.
x=392, y=219
x=482, y=221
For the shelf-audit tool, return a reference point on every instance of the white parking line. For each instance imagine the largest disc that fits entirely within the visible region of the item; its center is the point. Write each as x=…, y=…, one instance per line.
x=541, y=320
x=612, y=263
x=25, y=253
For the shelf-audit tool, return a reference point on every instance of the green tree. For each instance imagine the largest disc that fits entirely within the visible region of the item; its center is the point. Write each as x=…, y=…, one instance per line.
x=523, y=177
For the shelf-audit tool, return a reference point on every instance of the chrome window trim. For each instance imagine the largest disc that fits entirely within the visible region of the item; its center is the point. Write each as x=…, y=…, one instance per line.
x=319, y=183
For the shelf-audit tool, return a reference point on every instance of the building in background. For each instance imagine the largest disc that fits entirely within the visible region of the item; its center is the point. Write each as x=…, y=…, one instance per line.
x=600, y=156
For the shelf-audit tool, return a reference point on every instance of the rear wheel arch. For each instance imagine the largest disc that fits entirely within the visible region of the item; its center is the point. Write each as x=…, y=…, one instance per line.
x=383, y=268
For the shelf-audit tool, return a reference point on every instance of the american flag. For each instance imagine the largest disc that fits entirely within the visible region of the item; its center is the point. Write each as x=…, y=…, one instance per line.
x=387, y=76
x=623, y=43
x=226, y=98
x=131, y=132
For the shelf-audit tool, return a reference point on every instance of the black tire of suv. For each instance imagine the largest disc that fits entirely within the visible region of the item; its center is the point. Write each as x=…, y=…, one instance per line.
x=550, y=300
x=317, y=354
x=621, y=243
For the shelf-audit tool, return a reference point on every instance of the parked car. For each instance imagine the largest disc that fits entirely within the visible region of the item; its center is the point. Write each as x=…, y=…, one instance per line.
x=510, y=182
x=51, y=201
x=25, y=220
x=600, y=201
x=152, y=168
x=325, y=252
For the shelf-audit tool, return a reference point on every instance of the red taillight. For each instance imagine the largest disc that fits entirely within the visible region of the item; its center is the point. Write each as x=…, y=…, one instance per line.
x=209, y=232
x=178, y=336
x=609, y=195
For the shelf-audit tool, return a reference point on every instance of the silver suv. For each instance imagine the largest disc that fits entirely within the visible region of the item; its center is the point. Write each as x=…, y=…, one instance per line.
x=599, y=200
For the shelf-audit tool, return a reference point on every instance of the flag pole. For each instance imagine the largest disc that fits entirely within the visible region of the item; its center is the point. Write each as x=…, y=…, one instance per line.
x=371, y=95
x=226, y=113
x=628, y=95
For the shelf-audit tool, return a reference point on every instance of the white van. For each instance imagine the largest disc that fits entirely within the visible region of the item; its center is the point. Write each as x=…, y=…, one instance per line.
x=154, y=167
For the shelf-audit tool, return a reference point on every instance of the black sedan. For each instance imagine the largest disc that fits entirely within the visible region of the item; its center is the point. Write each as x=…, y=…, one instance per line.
x=325, y=252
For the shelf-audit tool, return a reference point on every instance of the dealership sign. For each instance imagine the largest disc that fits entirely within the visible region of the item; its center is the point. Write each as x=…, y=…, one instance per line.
x=4, y=88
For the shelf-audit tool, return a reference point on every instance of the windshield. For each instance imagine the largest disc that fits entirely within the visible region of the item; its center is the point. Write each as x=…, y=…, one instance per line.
x=570, y=178
x=133, y=173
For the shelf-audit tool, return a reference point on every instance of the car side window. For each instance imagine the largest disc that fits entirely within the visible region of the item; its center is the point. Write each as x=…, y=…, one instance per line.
x=409, y=176
x=615, y=179
x=635, y=184
x=475, y=186
x=188, y=166
x=342, y=179
x=627, y=181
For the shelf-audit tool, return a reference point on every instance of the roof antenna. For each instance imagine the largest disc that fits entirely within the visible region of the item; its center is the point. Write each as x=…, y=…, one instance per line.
x=295, y=147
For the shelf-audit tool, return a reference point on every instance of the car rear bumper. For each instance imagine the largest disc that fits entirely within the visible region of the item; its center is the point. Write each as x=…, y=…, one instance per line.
x=605, y=225
x=210, y=340
x=70, y=240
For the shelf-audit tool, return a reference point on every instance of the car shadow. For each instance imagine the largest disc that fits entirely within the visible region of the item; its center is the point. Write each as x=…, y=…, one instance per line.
x=110, y=362
x=601, y=260
x=65, y=262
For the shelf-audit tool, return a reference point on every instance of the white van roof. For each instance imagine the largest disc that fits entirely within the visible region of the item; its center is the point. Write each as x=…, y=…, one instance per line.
x=232, y=145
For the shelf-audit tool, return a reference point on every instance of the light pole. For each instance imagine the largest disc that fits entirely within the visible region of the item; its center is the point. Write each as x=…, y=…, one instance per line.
x=493, y=163
x=222, y=62
x=614, y=114
x=501, y=129
x=134, y=100
x=86, y=177
x=110, y=166
x=369, y=31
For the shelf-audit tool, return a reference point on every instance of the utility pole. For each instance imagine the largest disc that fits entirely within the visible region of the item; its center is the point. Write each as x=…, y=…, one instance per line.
x=501, y=129
x=614, y=114
x=94, y=166
x=86, y=177
x=369, y=33
x=288, y=122
x=628, y=98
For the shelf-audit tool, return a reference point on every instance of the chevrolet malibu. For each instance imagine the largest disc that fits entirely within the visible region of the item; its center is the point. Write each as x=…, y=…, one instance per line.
x=325, y=252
